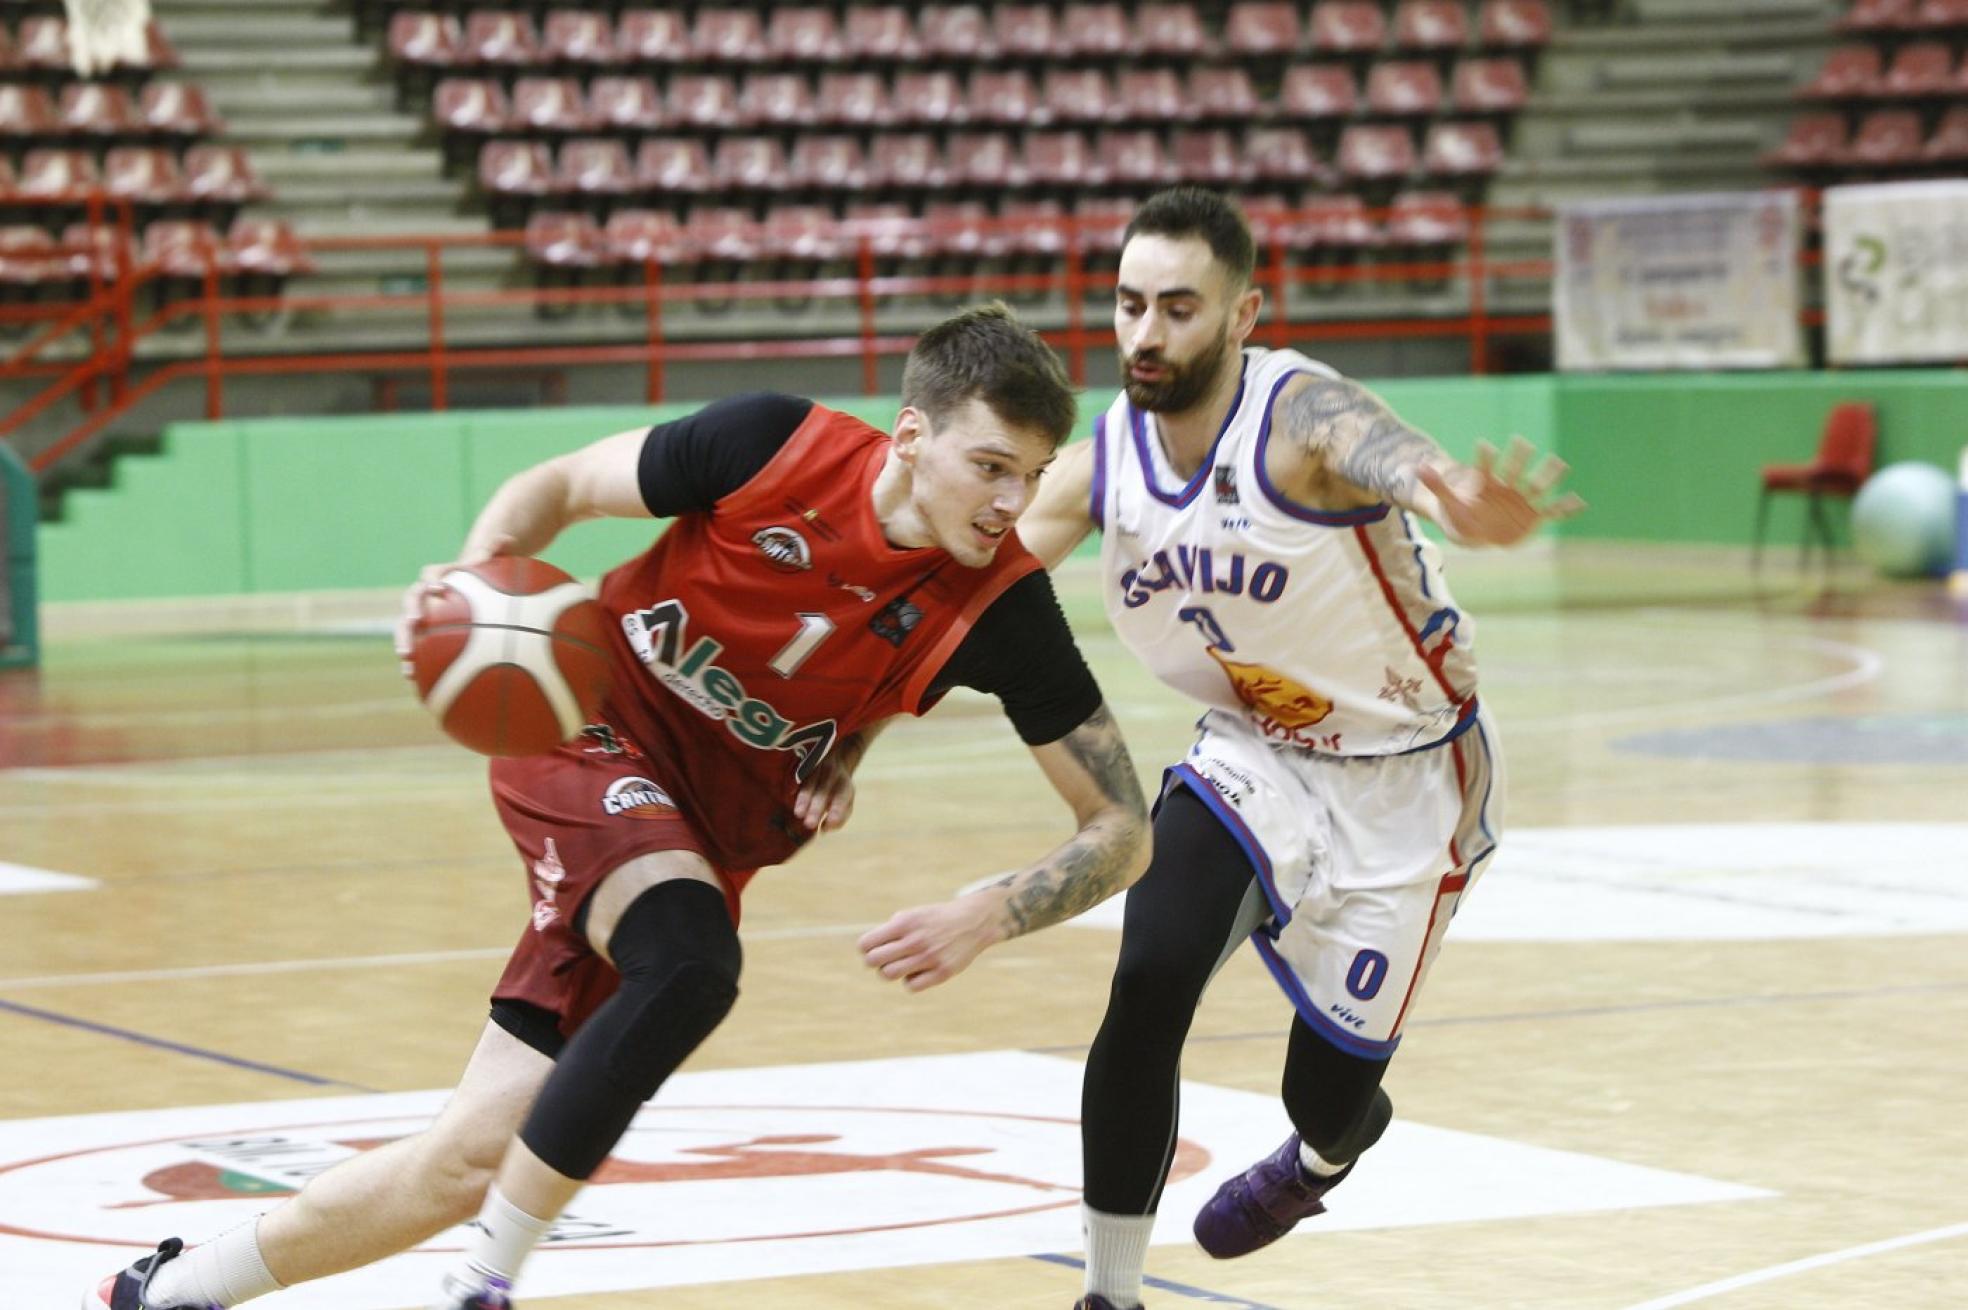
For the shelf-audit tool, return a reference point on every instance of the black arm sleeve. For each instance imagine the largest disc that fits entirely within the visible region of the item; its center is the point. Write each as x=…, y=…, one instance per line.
x=1022, y=652
x=693, y=462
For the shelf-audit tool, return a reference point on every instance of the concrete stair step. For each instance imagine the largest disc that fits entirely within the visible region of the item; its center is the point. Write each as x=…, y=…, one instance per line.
x=323, y=224
x=324, y=129
x=216, y=61
x=272, y=97
x=1715, y=24
x=396, y=193
x=372, y=160
x=1685, y=135
x=1693, y=69
x=284, y=29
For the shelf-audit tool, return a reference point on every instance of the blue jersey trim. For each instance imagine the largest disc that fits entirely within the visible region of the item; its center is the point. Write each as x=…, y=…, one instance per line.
x=1253, y=849
x=1345, y=1039
x=1097, y=509
x=1342, y=518
x=1201, y=477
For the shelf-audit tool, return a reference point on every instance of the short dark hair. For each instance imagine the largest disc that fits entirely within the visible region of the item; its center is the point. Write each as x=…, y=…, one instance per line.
x=1190, y=211
x=987, y=353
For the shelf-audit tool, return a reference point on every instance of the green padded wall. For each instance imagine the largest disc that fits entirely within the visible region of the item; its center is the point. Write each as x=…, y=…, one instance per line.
x=324, y=503
x=19, y=631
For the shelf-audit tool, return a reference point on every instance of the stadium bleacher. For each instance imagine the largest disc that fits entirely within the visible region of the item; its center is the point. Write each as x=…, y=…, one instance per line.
x=1889, y=102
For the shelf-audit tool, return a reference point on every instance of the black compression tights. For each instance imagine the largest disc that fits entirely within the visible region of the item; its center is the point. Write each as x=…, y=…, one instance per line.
x=1180, y=918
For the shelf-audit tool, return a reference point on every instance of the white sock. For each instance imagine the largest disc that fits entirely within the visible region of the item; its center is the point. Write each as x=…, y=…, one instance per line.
x=1315, y=1164
x=224, y=1271
x=1116, y=1252
x=500, y=1242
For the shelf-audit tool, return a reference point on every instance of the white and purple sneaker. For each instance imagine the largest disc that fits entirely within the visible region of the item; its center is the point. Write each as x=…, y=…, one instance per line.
x=130, y=1289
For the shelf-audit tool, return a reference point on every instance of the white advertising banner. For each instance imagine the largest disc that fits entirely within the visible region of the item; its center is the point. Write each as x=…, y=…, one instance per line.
x=1678, y=282
x=1896, y=272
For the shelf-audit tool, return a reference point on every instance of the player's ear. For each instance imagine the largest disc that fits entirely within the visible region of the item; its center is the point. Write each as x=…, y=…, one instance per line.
x=911, y=426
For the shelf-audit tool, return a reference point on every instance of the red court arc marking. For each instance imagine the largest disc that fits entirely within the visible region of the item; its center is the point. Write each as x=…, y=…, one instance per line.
x=1196, y=1159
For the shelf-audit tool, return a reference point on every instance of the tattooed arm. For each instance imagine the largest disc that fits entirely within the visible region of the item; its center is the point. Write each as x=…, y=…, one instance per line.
x=1090, y=769
x=1343, y=433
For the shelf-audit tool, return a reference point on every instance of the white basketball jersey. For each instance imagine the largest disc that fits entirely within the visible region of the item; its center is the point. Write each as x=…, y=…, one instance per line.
x=1327, y=631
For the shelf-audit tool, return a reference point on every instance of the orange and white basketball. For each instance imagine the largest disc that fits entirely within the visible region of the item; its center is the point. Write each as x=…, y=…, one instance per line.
x=511, y=656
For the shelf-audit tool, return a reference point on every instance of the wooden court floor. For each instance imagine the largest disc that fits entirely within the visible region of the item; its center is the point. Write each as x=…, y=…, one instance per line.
x=1731, y=950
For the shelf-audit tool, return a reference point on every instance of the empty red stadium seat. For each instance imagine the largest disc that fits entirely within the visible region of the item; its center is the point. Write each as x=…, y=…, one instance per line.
x=703, y=100
x=1813, y=141
x=185, y=248
x=580, y=37
x=1059, y=160
x=1261, y=29
x=933, y=97
x=1209, y=157
x=854, y=100
x=221, y=175
x=1001, y=96
x=1886, y=139
x=957, y=32
x=516, y=168
x=425, y=40
x=98, y=249
x=983, y=159
x=905, y=160
x=143, y=174
x=1879, y=16
x=158, y=52
x=97, y=109
x=776, y=100
x=1026, y=32
x=636, y=236
x=1489, y=86
x=1461, y=150
x=1348, y=27
x=595, y=168
x=549, y=105
x=1941, y=15
x=827, y=163
x=1134, y=157
x=802, y=232
x=29, y=257
x=1281, y=154
x=1513, y=24
x=46, y=173
x=1925, y=68
x=727, y=36
x=626, y=104
x=1222, y=93
x=499, y=38
x=1150, y=95
x=6, y=50
x=803, y=34
x=1094, y=31
x=42, y=46
x=1033, y=227
x=471, y=105
x=1431, y=26
x=1949, y=144
x=961, y=229
x=25, y=112
x=1318, y=91
x=1079, y=95
x=880, y=32
x=1339, y=223
x=748, y=163
x=676, y=165
x=177, y=109
x=268, y=247
x=1849, y=72
x=889, y=229
x=723, y=232
x=652, y=36
x=1427, y=218
x=564, y=240
x=1172, y=30
x=1375, y=153
x=1399, y=88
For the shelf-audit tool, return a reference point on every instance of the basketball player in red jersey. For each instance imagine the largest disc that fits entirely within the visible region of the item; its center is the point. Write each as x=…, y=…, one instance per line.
x=821, y=577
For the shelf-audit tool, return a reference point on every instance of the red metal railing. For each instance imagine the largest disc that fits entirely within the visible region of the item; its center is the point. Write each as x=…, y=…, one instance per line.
x=107, y=314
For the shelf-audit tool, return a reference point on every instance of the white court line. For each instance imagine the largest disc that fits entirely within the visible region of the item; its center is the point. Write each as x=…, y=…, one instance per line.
x=1774, y=1272
x=361, y=961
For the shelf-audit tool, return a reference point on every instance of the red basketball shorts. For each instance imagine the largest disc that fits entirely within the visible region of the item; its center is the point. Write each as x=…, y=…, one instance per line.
x=576, y=815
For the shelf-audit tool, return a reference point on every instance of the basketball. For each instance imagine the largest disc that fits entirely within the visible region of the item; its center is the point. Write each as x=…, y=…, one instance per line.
x=511, y=657
x=1903, y=520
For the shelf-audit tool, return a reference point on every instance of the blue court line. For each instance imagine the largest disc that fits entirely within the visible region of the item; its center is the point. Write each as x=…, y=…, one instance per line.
x=1164, y=1285
x=198, y=1053
x=1525, y=1016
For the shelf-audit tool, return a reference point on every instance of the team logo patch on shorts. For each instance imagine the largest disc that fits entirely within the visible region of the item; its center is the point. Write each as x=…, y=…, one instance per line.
x=637, y=798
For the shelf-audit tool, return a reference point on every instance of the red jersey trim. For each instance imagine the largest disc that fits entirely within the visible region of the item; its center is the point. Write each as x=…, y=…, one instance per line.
x=757, y=489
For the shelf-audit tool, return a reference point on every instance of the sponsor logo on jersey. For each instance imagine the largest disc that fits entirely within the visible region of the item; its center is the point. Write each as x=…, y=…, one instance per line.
x=1281, y=706
x=1405, y=691
x=660, y=637
x=1226, y=484
x=811, y=517
x=783, y=548
x=604, y=740
x=895, y=621
x=548, y=872
x=636, y=798
x=866, y=594
x=1198, y=570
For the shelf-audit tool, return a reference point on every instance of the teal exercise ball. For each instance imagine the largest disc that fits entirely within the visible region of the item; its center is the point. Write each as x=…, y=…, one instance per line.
x=1903, y=521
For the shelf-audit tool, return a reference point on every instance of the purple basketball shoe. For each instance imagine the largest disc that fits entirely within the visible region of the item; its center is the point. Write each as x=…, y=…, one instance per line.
x=1261, y=1204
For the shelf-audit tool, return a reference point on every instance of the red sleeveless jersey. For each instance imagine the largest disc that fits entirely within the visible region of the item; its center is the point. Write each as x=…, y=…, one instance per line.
x=750, y=639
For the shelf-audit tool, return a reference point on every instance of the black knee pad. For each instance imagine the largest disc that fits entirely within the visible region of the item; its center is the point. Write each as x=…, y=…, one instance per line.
x=1364, y=1132
x=665, y=1023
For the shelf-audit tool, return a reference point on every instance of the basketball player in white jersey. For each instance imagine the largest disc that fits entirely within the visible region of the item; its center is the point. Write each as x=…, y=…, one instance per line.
x=1260, y=555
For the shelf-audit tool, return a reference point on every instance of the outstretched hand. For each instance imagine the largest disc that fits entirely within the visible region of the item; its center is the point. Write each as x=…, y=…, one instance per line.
x=1498, y=503
x=930, y=944
x=429, y=582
